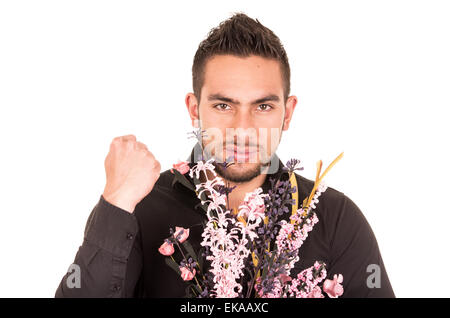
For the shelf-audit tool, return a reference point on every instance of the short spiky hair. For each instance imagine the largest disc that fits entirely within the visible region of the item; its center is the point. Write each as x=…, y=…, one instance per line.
x=240, y=36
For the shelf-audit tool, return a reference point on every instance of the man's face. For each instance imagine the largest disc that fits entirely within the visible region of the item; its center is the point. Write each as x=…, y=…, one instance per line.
x=243, y=112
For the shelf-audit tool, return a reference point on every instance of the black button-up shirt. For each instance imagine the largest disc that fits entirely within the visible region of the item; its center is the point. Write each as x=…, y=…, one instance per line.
x=119, y=255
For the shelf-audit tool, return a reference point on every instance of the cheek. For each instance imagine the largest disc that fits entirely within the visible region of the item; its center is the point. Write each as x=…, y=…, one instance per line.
x=214, y=125
x=272, y=125
x=207, y=117
x=271, y=136
x=213, y=136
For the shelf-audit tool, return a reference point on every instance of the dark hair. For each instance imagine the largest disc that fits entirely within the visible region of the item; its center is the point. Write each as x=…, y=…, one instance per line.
x=240, y=36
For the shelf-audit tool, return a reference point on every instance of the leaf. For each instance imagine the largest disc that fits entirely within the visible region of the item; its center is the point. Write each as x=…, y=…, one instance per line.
x=182, y=179
x=202, y=206
x=174, y=181
x=188, y=291
x=190, y=250
x=173, y=265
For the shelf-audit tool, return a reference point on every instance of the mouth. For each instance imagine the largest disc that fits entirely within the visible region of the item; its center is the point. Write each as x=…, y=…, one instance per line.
x=241, y=154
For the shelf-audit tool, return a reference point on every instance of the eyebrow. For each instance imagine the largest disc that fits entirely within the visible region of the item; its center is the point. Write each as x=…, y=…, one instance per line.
x=268, y=98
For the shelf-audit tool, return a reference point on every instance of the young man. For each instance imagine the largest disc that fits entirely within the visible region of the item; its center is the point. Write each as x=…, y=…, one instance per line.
x=241, y=83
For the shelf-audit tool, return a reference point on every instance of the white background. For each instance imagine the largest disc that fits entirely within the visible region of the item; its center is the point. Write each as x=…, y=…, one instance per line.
x=372, y=78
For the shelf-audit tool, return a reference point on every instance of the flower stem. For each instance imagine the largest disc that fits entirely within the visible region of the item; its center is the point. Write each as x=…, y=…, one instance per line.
x=186, y=261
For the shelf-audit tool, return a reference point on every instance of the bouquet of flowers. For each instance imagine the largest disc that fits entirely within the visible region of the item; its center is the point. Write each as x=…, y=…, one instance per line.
x=250, y=251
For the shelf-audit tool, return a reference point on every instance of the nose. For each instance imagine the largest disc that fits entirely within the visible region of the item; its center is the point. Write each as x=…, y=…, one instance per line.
x=243, y=130
x=243, y=119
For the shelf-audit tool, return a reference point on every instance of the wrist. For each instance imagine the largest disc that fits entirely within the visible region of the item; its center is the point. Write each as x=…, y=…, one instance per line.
x=120, y=202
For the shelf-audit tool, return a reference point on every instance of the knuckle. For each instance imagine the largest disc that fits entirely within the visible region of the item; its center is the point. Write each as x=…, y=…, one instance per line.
x=141, y=145
x=130, y=143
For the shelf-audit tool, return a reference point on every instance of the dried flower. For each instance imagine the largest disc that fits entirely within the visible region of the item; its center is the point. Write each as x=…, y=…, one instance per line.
x=238, y=242
x=186, y=273
x=181, y=234
x=333, y=288
x=166, y=249
x=292, y=165
x=182, y=167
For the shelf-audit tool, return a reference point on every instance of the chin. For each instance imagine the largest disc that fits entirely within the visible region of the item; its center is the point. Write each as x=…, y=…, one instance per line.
x=243, y=166
x=240, y=172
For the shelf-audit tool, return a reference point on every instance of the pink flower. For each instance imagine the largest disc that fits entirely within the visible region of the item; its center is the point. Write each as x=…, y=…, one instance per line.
x=186, y=274
x=333, y=287
x=316, y=293
x=182, y=167
x=166, y=249
x=284, y=278
x=244, y=211
x=183, y=236
x=253, y=207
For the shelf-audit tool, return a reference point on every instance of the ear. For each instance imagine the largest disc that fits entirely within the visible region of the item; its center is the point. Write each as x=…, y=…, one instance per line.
x=289, y=111
x=192, y=107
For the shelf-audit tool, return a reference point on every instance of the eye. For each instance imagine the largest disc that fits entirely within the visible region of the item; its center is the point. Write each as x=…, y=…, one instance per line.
x=264, y=107
x=222, y=107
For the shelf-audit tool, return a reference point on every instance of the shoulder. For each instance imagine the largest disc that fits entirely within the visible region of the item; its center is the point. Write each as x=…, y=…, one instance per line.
x=330, y=198
x=337, y=211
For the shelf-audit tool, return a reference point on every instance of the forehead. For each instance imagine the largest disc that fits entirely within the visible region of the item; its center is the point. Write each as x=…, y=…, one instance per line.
x=242, y=77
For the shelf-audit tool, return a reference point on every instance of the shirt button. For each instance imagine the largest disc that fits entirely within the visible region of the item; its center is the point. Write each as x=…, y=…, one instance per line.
x=129, y=236
x=116, y=287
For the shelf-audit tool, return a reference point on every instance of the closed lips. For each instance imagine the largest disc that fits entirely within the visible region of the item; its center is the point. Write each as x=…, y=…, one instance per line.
x=242, y=151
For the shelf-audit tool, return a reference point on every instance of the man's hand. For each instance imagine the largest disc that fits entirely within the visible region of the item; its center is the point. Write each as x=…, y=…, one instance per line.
x=131, y=172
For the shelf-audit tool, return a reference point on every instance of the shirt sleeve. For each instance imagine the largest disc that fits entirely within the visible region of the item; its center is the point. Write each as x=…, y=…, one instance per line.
x=355, y=254
x=109, y=261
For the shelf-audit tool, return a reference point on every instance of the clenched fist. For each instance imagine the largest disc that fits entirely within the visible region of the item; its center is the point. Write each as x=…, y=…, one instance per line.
x=131, y=172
